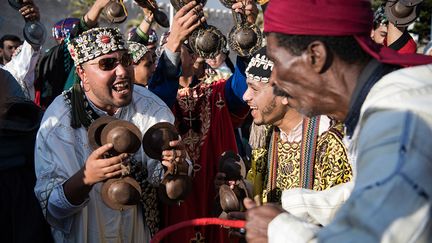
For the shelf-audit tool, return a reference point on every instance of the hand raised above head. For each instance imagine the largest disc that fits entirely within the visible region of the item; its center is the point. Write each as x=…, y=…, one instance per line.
x=30, y=11
x=248, y=8
x=187, y=19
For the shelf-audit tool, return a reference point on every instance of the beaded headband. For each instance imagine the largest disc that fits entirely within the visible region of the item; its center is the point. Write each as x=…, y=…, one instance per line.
x=260, y=67
x=137, y=50
x=94, y=43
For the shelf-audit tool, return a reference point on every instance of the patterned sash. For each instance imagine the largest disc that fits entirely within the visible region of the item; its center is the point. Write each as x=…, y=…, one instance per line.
x=272, y=166
x=310, y=133
x=308, y=151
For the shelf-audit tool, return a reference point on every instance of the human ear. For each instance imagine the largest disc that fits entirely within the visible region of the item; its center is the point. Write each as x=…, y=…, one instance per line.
x=82, y=75
x=319, y=56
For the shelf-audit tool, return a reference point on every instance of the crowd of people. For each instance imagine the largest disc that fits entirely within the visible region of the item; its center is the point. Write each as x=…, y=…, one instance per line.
x=328, y=124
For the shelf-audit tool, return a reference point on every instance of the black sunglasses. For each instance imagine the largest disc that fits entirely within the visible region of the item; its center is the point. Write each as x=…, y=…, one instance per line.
x=109, y=63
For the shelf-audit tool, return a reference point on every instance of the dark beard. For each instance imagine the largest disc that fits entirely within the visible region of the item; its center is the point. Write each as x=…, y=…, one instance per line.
x=269, y=108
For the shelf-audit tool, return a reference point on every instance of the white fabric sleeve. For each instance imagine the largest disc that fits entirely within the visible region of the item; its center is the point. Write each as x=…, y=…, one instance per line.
x=286, y=228
x=22, y=67
x=316, y=207
x=391, y=198
x=59, y=206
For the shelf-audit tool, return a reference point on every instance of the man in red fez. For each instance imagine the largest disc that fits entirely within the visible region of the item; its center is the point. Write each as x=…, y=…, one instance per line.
x=326, y=64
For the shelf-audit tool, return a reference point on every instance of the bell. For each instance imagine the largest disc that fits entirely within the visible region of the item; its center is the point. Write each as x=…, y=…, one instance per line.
x=34, y=33
x=246, y=38
x=115, y=12
x=207, y=41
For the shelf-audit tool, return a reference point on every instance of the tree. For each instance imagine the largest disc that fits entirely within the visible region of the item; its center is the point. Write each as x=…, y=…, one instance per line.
x=422, y=26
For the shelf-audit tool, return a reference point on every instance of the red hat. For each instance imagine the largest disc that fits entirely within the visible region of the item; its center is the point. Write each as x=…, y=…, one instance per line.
x=333, y=18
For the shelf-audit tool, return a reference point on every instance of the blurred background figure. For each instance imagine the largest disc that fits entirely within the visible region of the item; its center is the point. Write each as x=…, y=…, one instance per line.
x=380, y=24
x=62, y=28
x=428, y=49
x=21, y=216
x=220, y=67
x=8, y=45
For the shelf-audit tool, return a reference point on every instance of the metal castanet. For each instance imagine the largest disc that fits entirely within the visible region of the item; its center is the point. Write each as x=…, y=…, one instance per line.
x=206, y=41
x=121, y=192
x=176, y=184
x=34, y=32
x=230, y=197
x=115, y=11
x=160, y=17
x=402, y=12
x=244, y=38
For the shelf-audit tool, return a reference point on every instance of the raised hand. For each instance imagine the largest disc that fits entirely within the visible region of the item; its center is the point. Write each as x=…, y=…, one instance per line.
x=247, y=7
x=30, y=11
x=186, y=20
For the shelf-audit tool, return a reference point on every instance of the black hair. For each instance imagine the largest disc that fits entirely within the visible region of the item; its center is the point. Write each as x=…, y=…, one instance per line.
x=13, y=38
x=279, y=92
x=345, y=47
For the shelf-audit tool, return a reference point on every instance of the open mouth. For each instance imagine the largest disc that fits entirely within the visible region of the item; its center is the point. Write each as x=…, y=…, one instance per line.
x=121, y=88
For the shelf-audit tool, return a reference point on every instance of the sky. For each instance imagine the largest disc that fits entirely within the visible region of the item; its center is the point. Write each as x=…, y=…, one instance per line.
x=210, y=3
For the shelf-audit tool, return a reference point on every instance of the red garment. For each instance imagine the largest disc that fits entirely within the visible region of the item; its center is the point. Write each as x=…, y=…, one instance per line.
x=333, y=18
x=404, y=44
x=206, y=128
x=319, y=17
x=409, y=47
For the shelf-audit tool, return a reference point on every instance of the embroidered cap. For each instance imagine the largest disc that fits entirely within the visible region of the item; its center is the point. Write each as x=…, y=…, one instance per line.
x=260, y=67
x=94, y=43
x=137, y=50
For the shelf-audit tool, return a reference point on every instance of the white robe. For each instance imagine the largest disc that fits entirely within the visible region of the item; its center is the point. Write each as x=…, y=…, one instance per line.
x=61, y=151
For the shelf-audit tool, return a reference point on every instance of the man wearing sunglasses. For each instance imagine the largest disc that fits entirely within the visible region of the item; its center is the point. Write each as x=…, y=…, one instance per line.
x=68, y=171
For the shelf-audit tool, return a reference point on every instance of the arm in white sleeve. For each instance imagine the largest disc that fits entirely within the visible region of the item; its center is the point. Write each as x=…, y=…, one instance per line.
x=391, y=200
x=22, y=67
x=316, y=207
x=55, y=162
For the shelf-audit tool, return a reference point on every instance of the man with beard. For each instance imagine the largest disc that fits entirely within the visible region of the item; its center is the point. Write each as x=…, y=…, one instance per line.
x=69, y=172
x=295, y=151
x=333, y=68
